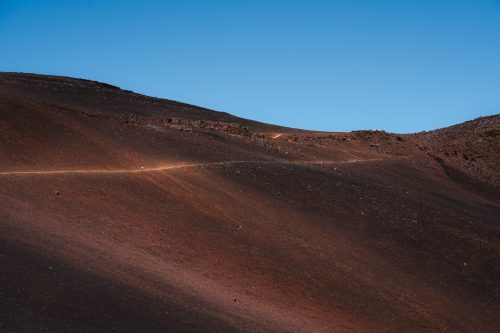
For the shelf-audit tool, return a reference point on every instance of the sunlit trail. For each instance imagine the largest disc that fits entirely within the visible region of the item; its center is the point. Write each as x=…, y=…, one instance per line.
x=176, y=166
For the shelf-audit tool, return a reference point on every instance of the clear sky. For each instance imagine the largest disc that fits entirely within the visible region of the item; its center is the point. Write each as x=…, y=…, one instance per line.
x=400, y=66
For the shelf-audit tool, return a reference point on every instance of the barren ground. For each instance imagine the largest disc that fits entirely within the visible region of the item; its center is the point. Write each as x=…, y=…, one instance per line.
x=121, y=212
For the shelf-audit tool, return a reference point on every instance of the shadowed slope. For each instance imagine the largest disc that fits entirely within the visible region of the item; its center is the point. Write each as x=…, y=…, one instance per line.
x=41, y=293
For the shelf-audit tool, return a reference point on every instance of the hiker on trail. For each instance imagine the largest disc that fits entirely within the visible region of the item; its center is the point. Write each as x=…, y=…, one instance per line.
x=142, y=168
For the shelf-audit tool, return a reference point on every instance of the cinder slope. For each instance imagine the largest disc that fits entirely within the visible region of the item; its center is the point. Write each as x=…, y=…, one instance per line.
x=235, y=225
x=103, y=100
x=471, y=148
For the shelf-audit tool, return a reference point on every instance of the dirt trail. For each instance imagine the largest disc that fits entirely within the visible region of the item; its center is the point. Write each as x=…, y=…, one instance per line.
x=176, y=166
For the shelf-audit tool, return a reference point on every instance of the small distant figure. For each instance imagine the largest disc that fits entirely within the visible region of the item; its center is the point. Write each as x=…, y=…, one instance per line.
x=142, y=168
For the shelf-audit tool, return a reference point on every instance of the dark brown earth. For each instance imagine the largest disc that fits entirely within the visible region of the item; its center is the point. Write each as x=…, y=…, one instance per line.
x=235, y=225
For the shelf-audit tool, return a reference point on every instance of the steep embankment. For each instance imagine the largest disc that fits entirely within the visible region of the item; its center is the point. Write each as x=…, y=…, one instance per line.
x=234, y=225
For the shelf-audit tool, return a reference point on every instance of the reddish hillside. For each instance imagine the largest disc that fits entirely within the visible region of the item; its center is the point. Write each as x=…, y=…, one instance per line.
x=235, y=225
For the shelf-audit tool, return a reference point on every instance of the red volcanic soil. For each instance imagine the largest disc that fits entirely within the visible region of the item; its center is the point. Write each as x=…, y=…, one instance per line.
x=235, y=225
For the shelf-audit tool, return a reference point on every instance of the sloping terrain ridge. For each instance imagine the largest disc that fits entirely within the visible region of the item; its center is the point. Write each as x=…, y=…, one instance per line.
x=120, y=212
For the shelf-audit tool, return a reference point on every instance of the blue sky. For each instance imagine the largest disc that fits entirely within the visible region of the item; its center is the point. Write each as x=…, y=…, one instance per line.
x=400, y=66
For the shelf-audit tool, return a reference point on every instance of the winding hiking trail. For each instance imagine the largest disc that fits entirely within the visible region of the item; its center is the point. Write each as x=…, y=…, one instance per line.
x=181, y=166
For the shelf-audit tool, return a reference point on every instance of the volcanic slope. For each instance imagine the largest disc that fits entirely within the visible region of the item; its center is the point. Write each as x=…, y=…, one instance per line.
x=121, y=212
